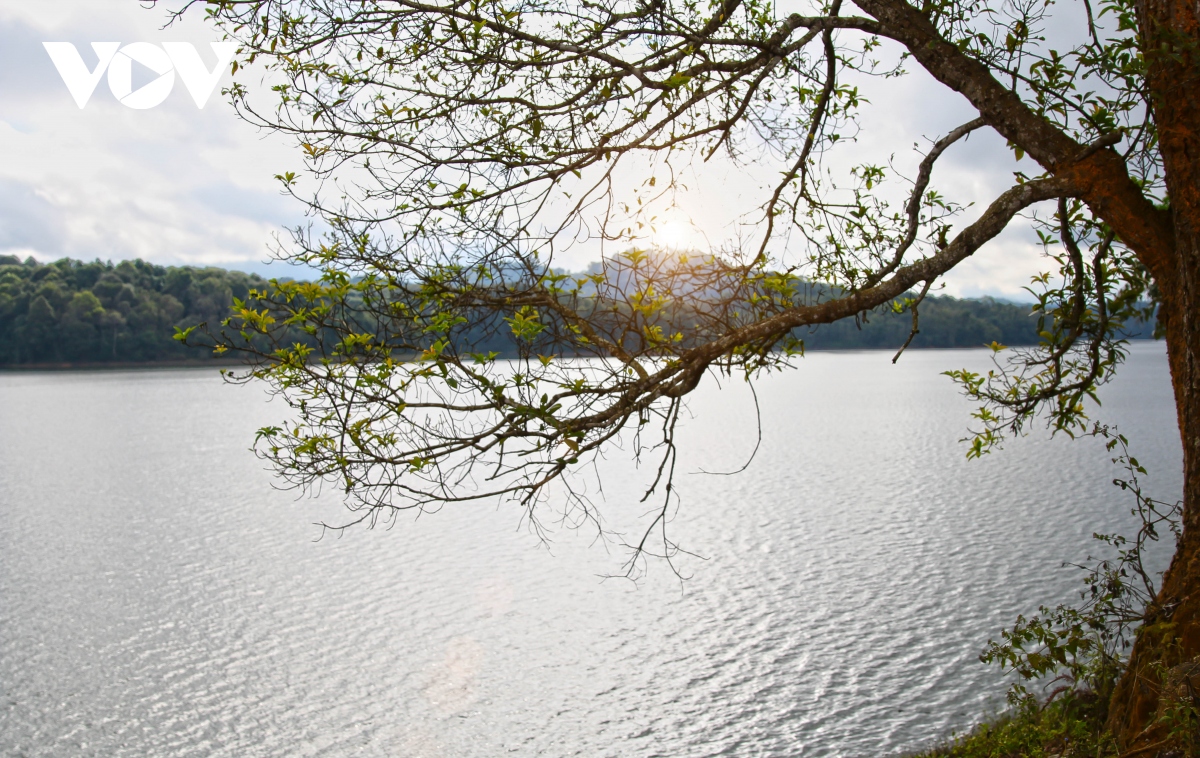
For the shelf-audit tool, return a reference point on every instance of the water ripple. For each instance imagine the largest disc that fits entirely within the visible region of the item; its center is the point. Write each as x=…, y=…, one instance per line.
x=159, y=597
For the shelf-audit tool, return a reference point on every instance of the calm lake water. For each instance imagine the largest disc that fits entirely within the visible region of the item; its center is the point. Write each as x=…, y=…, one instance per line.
x=159, y=598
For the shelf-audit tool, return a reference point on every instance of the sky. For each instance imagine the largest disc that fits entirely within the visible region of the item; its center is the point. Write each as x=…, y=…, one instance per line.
x=177, y=184
x=172, y=184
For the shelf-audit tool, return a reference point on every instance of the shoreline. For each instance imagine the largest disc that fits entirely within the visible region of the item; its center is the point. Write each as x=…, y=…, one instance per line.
x=227, y=363
x=119, y=365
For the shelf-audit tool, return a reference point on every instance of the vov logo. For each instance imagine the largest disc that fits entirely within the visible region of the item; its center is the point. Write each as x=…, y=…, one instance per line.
x=166, y=61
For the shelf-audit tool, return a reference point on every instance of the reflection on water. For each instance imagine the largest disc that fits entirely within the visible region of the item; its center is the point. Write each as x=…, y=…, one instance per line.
x=158, y=597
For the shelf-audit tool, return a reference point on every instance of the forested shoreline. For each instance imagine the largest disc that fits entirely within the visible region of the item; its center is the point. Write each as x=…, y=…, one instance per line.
x=75, y=312
x=72, y=312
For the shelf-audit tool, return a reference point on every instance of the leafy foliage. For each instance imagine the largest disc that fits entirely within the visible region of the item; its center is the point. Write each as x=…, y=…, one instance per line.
x=1083, y=311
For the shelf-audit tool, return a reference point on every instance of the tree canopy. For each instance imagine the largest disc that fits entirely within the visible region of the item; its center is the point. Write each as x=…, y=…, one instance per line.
x=454, y=151
x=72, y=311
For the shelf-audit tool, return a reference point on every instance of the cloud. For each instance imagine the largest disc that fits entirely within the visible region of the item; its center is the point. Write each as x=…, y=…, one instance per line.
x=30, y=221
x=172, y=184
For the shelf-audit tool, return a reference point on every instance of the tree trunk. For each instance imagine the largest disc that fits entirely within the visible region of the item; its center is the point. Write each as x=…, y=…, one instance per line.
x=1168, y=645
x=1170, y=638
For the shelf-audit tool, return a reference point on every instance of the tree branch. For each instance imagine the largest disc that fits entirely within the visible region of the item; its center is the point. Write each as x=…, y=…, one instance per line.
x=1101, y=175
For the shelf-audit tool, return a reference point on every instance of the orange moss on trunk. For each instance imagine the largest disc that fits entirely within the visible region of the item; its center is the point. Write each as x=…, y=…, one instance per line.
x=1170, y=638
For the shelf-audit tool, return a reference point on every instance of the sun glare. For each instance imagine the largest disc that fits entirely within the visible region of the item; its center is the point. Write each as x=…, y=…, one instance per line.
x=673, y=235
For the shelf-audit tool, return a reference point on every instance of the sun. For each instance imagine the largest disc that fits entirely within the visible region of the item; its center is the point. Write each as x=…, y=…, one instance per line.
x=673, y=235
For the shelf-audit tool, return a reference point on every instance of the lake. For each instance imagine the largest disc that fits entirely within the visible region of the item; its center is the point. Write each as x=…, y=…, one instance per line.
x=158, y=597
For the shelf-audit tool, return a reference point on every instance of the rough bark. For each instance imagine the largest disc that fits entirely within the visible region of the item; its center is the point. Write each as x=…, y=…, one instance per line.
x=1170, y=637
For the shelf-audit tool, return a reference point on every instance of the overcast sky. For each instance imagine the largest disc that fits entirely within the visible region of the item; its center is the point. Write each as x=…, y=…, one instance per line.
x=170, y=184
x=176, y=184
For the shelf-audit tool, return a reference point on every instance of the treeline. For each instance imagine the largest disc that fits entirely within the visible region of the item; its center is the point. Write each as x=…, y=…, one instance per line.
x=74, y=312
x=943, y=322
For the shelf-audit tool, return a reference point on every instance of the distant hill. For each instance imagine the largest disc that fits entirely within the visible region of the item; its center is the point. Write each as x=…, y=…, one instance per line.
x=72, y=312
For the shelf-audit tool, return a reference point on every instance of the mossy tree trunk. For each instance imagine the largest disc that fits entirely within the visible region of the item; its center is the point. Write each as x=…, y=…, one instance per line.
x=1170, y=638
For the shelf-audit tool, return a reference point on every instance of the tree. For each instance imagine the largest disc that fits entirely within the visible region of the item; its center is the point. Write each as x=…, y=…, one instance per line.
x=453, y=150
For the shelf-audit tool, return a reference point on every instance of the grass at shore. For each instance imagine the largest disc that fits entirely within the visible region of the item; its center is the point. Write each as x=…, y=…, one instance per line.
x=1069, y=727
